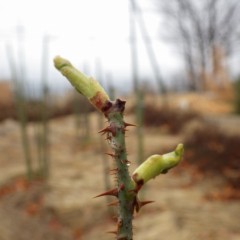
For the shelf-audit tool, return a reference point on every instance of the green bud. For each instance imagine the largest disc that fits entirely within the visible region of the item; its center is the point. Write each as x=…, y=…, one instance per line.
x=85, y=85
x=157, y=164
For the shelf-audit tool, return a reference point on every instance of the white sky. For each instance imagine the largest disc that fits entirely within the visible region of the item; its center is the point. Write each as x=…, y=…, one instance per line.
x=84, y=31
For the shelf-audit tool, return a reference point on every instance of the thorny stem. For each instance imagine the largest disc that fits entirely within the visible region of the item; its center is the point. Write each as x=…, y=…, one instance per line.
x=115, y=133
x=116, y=139
x=127, y=187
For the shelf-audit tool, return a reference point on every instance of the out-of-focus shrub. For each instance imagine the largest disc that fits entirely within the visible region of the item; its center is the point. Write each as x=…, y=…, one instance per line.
x=213, y=152
x=169, y=118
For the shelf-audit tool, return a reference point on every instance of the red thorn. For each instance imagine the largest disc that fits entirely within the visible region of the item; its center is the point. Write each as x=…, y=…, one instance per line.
x=108, y=138
x=111, y=155
x=129, y=124
x=112, y=232
x=121, y=186
x=114, y=218
x=115, y=203
x=112, y=192
x=139, y=204
x=109, y=129
x=113, y=170
x=105, y=130
x=145, y=203
x=112, y=173
x=125, y=161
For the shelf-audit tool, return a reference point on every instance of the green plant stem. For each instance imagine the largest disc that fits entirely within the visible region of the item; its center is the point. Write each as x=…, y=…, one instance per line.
x=45, y=133
x=21, y=110
x=25, y=140
x=106, y=165
x=139, y=120
x=124, y=186
x=115, y=132
x=45, y=159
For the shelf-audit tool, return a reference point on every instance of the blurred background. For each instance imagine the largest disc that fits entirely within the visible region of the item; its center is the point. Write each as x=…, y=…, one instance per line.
x=175, y=62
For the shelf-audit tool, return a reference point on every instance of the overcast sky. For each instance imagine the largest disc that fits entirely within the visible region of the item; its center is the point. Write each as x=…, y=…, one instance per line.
x=84, y=31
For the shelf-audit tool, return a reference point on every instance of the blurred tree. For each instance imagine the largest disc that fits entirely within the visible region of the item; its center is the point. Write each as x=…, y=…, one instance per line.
x=237, y=96
x=199, y=28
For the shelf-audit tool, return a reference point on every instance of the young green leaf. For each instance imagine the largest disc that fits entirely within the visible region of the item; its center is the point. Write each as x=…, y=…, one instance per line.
x=157, y=164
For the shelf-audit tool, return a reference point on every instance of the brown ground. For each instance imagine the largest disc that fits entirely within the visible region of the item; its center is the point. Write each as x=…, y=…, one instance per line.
x=65, y=208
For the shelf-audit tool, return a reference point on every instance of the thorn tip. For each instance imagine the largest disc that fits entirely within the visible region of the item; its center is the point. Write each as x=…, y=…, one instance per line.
x=112, y=192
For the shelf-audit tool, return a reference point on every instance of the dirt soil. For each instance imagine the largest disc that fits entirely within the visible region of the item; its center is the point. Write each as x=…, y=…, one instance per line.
x=64, y=208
